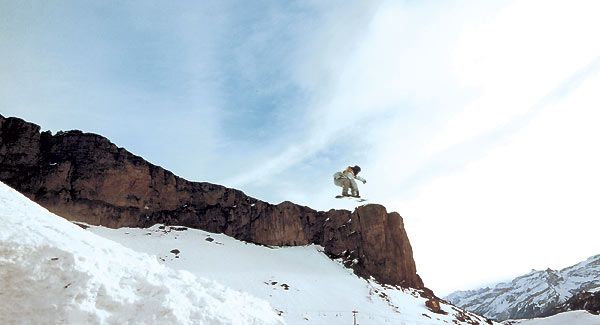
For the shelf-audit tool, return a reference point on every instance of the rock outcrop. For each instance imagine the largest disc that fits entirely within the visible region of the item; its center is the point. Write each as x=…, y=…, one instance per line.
x=84, y=177
x=584, y=300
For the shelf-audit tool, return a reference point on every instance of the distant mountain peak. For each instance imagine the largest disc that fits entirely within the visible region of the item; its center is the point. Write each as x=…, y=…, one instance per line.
x=535, y=294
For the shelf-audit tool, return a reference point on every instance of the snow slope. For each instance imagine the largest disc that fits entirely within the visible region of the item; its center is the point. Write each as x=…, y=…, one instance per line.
x=52, y=271
x=301, y=283
x=578, y=317
x=533, y=294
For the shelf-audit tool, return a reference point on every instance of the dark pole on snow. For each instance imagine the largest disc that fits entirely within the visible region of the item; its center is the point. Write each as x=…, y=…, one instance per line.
x=354, y=312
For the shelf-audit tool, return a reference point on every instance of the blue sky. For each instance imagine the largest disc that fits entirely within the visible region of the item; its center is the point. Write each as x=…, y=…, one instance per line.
x=473, y=120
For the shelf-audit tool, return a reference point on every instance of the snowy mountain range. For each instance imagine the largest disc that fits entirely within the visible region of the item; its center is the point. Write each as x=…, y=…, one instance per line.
x=54, y=271
x=535, y=294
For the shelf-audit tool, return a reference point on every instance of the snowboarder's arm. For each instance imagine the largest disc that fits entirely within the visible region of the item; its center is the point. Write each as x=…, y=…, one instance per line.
x=361, y=179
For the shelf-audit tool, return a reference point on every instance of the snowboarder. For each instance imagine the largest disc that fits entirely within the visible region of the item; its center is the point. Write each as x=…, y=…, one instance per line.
x=345, y=180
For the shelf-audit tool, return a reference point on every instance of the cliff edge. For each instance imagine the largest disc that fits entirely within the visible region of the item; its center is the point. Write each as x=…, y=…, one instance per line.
x=84, y=177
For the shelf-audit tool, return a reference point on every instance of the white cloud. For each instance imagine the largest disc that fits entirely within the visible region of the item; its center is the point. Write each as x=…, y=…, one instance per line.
x=516, y=59
x=529, y=203
x=476, y=221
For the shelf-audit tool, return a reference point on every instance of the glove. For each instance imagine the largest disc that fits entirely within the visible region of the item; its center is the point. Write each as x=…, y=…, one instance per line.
x=365, y=182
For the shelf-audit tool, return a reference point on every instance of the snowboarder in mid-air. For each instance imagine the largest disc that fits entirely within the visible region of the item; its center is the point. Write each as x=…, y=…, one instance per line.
x=345, y=180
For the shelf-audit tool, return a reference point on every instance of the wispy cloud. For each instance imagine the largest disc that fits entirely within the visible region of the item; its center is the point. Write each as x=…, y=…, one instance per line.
x=528, y=203
x=473, y=176
x=140, y=74
x=395, y=74
x=514, y=60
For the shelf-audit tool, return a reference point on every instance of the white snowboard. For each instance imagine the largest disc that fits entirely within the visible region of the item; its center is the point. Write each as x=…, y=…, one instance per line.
x=357, y=199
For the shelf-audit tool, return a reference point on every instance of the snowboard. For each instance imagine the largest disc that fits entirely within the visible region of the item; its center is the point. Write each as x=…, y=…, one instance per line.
x=357, y=199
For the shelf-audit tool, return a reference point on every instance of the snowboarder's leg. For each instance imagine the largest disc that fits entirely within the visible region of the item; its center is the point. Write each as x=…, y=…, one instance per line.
x=354, y=188
x=345, y=186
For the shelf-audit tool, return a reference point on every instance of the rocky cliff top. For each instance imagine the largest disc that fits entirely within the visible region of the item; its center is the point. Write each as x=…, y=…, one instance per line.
x=85, y=177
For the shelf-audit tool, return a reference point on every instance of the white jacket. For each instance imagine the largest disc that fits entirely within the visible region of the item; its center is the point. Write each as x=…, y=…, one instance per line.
x=351, y=177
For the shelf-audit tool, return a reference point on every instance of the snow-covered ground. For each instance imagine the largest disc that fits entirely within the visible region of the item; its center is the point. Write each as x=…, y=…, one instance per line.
x=301, y=283
x=578, y=317
x=54, y=272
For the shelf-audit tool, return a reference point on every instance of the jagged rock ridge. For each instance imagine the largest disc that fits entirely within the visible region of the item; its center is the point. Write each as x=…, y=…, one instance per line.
x=584, y=300
x=536, y=294
x=85, y=177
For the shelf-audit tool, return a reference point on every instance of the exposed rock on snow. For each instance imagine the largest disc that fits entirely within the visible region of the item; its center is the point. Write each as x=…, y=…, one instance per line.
x=589, y=301
x=535, y=294
x=52, y=271
x=84, y=177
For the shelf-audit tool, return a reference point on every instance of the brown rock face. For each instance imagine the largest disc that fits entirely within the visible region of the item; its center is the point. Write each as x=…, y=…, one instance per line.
x=584, y=300
x=84, y=177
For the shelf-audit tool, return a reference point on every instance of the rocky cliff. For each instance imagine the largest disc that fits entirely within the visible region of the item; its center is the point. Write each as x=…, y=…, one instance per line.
x=589, y=301
x=85, y=177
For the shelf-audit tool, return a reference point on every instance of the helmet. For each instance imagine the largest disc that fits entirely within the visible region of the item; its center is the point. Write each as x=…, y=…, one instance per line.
x=356, y=169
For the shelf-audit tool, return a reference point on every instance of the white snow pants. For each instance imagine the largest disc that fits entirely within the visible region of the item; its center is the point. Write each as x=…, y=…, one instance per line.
x=341, y=180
